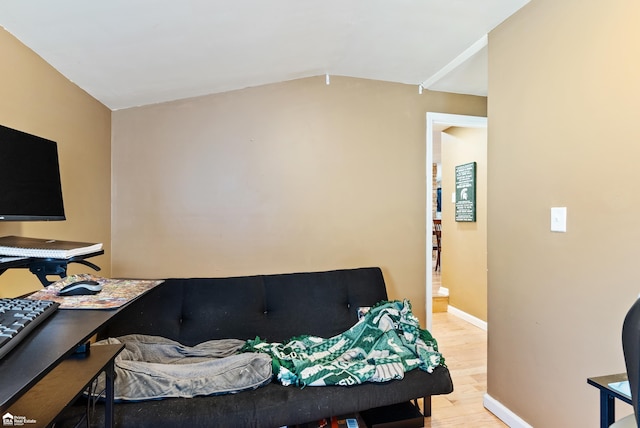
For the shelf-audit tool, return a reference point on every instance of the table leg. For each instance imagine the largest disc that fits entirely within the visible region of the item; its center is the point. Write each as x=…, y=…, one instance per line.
x=108, y=408
x=607, y=409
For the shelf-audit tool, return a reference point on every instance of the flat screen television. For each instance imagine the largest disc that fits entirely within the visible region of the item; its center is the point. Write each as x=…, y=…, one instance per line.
x=30, y=187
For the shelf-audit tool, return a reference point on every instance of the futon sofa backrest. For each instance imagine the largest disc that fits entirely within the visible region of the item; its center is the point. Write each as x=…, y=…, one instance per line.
x=274, y=307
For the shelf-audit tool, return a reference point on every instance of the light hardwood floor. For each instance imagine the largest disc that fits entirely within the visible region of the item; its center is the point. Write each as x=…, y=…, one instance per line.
x=464, y=347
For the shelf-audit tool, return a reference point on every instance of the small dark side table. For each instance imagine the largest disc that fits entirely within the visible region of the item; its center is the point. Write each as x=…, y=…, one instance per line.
x=48, y=345
x=608, y=396
x=41, y=404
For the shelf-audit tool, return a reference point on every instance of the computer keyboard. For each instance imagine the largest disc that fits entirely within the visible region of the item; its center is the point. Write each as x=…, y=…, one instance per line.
x=18, y=317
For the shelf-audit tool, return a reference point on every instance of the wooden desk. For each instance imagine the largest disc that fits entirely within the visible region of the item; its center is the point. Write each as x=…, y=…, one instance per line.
x=608, y=396
x=42, y=404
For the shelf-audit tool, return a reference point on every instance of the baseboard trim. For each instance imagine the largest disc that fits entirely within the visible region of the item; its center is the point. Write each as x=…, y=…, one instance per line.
x=468, y=318
x=503, y=413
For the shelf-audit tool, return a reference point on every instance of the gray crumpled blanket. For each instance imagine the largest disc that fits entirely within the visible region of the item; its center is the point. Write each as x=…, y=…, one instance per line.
x=152, y=367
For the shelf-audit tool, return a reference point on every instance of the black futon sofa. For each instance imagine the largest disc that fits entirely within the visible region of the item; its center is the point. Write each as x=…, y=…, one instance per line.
x=276, y=308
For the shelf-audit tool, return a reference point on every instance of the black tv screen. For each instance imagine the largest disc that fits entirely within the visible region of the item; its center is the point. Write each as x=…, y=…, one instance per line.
x=30, y=187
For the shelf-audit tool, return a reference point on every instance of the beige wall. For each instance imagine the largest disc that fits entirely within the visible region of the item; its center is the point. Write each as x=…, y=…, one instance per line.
x=464, y=244
x=35, y=98
x=564, y=98
x=295, y=176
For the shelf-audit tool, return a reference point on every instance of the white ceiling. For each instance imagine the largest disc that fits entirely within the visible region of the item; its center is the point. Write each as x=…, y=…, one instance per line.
x=135, y=52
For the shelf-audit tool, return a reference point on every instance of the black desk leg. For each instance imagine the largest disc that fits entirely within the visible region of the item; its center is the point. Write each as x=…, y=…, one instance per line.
x=108, y=408
x=607, y=409
x=426, y=401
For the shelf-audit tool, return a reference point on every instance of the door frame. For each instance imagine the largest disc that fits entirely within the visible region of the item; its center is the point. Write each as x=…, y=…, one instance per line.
x=437, y=122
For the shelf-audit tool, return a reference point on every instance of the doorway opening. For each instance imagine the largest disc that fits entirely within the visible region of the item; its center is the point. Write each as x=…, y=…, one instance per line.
x=436, y=123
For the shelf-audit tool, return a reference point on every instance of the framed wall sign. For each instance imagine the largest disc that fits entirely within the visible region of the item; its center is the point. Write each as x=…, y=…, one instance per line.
x=466, y=192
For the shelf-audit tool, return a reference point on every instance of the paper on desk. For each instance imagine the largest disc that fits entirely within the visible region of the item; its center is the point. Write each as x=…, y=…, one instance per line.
x=621, y=387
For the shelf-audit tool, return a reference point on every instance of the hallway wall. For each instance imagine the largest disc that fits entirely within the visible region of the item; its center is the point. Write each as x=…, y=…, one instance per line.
x=464, y=244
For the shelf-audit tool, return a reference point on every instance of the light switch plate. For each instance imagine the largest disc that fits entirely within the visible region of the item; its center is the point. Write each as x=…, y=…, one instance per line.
x=558, y=219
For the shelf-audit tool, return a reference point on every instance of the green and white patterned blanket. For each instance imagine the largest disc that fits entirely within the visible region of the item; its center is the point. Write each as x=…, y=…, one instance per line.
x=383, y=345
